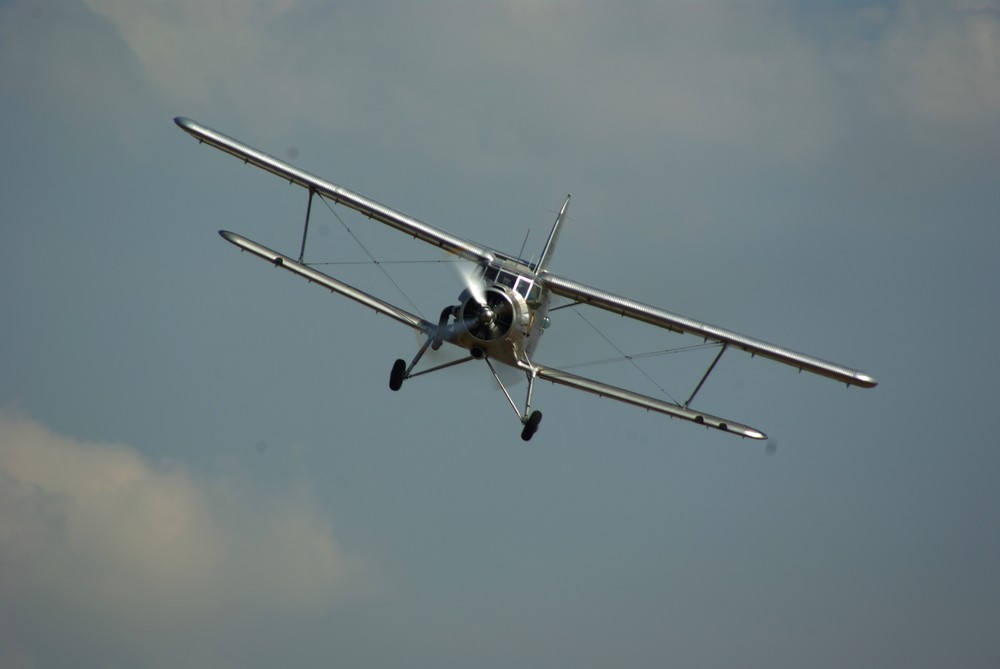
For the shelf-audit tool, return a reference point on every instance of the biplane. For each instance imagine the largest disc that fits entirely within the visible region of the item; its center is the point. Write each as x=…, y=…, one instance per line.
x=503, y=311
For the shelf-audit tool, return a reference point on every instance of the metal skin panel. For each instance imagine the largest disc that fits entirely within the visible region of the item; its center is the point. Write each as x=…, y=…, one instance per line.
x=651, y=403
x=338, y=194
x=648, y=314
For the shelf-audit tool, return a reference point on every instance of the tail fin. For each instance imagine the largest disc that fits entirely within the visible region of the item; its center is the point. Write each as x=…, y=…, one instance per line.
x=550, y=245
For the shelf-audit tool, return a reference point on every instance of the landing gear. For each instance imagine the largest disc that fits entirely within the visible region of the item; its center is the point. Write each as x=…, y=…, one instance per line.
x=531, y=425
x=396, y=376
x=435, y=337
x=401, y=371
x=529, y=419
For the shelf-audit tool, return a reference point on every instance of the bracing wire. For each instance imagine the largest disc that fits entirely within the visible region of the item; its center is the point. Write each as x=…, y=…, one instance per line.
x=371, y=257
x=631, y=359
x=639, y=356
x=382, y=262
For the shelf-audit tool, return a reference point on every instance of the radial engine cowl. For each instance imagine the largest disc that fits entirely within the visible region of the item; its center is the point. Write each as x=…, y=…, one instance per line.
x=493, y=319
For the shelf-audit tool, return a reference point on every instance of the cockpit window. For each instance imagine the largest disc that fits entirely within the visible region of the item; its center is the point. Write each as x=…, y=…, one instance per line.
x=502, y=278
x=523, y=286
x=520, y=284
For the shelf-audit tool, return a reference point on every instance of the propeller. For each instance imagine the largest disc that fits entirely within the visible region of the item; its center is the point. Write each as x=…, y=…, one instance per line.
x=487, y=314
x=473, y=280
x=489, y=319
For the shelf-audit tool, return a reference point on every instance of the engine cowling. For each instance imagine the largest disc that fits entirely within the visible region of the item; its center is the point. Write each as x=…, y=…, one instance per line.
x=493, y=319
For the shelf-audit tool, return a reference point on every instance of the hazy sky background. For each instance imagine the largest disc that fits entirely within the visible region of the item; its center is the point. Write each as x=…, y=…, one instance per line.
x=201, y=463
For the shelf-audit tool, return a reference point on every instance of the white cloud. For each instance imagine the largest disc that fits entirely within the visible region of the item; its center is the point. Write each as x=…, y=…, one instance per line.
x=942, y=61
x=517, y=82
x=503, y=78
x=95, y=541
x=923, y=64
x=764, y=81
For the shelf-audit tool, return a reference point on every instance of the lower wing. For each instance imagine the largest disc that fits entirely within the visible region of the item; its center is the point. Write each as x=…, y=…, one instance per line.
x=314, y=276
x=646, y=402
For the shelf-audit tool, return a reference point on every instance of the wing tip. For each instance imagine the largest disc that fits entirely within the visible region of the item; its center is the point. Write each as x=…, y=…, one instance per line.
x=865, y=380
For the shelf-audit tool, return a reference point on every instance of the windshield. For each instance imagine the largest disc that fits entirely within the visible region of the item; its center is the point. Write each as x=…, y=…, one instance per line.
x=523, y=285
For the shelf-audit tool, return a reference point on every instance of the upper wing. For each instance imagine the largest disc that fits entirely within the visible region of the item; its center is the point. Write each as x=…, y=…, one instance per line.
x=665, y=319
x=338, y=194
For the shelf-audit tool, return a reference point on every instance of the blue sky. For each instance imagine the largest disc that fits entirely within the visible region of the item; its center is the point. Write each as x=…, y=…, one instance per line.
x=200, y=461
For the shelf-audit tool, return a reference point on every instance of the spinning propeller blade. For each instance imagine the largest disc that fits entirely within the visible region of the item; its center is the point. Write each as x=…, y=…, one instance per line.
x=473, y=280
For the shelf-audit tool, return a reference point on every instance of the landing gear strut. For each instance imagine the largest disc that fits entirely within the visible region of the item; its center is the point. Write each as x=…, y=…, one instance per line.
x=402, y=371
x=530, y=419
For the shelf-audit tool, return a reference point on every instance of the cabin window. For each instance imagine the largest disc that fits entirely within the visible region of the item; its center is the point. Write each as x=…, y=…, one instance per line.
x=506, y=279
x=523, y=287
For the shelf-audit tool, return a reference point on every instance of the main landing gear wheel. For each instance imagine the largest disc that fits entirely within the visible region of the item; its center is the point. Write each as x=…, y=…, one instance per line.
x=396, y=376
x=531, y=425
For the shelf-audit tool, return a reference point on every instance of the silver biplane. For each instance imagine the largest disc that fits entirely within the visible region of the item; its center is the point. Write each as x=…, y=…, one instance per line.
x=502, y=313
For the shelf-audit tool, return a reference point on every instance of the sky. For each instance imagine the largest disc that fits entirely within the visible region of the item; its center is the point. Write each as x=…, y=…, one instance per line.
x=201, y=463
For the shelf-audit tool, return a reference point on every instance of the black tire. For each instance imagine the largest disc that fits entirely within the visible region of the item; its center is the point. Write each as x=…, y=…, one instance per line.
x=396, y=376
x=531, y=425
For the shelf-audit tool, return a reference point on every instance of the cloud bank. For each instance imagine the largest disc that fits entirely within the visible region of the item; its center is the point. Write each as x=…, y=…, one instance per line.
x=135, y=562
x=774, y=76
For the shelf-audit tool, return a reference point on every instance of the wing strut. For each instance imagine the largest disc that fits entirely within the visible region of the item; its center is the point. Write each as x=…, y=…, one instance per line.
x=305, y=230
x=707, y=372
